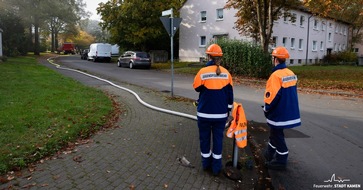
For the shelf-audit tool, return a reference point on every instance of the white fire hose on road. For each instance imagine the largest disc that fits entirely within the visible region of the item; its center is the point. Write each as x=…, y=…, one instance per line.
x=50, y=60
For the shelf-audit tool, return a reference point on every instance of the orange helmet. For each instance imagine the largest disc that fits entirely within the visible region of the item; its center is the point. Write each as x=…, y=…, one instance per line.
x=280, y=52
x=214, y=50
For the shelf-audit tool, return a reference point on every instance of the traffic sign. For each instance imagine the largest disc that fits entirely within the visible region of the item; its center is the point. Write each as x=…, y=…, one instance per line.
x=167, y=22
x=167, y=12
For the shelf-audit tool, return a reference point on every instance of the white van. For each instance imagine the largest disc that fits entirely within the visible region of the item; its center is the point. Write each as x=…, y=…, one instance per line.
x=115, y=50
x=100, y=51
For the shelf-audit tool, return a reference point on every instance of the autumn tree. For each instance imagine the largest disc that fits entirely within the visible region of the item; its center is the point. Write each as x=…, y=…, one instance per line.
x=83, y=39
x=63, y=19
x=255, y=18
x=135, y=24
x=37, y=13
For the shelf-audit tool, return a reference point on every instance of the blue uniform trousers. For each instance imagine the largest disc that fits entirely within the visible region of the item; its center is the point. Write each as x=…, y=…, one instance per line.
x=277, y=149
x=211, y=157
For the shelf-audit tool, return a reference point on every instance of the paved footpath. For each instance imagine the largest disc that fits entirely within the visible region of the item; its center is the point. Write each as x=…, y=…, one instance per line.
x=141, y=152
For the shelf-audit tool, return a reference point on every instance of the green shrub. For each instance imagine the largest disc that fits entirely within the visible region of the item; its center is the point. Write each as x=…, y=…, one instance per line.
x=3, y=58
x=341, y=58
x=245, y=58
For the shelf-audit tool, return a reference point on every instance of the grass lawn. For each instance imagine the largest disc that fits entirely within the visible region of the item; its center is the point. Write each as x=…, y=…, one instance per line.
x=345, y=78
x=41, y=111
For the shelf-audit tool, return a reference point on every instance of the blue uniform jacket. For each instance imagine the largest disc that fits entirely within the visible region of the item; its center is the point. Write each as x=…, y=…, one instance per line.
x=215, y=93
x=281, y=100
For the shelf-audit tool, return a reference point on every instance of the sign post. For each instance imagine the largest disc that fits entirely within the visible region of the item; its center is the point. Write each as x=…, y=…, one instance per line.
x=171, y=24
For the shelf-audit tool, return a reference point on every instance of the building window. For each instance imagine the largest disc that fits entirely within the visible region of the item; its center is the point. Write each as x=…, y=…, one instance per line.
x=291, y=61
x=330, y=24
x=323, y=25
x=321, y=45
x=203, y=41
x=329, y=37
x=203, y=16
x=219, y=14
x=285, y=17
x=336, y=28
x=335, y=47
x=355, y=50
x=294, y=17
x=292, y=45
x=300, y=44
x=284, y=41
x=314, y=46
x=274, y=41
x=315, y=24
x=302, y=20
x=299, y=61
x=345, y=31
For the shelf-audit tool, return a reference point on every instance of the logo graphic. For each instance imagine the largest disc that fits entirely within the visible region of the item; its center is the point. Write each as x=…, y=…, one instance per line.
x=332, y=179
x=337, y=183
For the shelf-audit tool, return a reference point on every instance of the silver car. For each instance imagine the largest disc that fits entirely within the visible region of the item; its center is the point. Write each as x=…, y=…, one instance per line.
x=133, y=59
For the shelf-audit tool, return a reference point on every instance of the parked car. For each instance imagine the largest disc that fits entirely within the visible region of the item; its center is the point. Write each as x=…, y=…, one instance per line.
x=100, y=51
x=84, y=54
x=133, y=59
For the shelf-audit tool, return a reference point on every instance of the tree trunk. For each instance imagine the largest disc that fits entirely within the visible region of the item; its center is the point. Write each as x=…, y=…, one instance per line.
x=36, y=36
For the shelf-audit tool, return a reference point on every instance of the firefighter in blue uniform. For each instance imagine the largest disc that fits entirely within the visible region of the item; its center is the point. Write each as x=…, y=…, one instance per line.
x=215, y=87
x=281, y=109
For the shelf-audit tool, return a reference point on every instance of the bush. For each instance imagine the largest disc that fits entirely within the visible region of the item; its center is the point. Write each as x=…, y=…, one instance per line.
x=341, y=58
x=3, y=58
x=245, y=58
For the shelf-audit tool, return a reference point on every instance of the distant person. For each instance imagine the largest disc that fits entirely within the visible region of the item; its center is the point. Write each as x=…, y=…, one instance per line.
x=215, y=87
x=281, y=109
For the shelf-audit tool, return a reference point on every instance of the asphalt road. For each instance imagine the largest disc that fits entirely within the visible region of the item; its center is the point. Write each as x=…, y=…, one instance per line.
x=327, y=150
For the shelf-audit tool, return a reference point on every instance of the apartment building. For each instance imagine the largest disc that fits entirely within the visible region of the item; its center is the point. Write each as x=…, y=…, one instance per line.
x=308, y=38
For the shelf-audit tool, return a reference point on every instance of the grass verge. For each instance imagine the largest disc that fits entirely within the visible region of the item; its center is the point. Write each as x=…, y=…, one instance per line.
x=41, y=111
x=345, y=78
x=331, y=78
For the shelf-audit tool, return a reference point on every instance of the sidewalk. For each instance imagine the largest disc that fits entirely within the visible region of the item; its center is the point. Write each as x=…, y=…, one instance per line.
x=140, y=153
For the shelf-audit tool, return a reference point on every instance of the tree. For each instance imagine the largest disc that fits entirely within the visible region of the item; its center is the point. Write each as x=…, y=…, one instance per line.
x=14, y=39
x=83, y=39
x=63, y=18
x=256, y=18
x=57, y=15
x=135, y=24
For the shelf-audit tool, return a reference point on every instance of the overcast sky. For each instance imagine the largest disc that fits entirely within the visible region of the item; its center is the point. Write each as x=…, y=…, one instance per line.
x=91, y=7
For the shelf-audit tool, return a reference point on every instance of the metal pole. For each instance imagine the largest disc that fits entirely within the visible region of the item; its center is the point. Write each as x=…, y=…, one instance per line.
x=235, y=153
x=172, y=52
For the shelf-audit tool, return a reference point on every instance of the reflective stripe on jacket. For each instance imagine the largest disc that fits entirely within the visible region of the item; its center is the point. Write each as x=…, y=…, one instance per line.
x=238, y=127
x=281, y=99
x=215, y=93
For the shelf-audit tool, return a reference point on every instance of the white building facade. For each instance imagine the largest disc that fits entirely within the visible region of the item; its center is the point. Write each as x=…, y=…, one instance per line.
x=308, y=38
